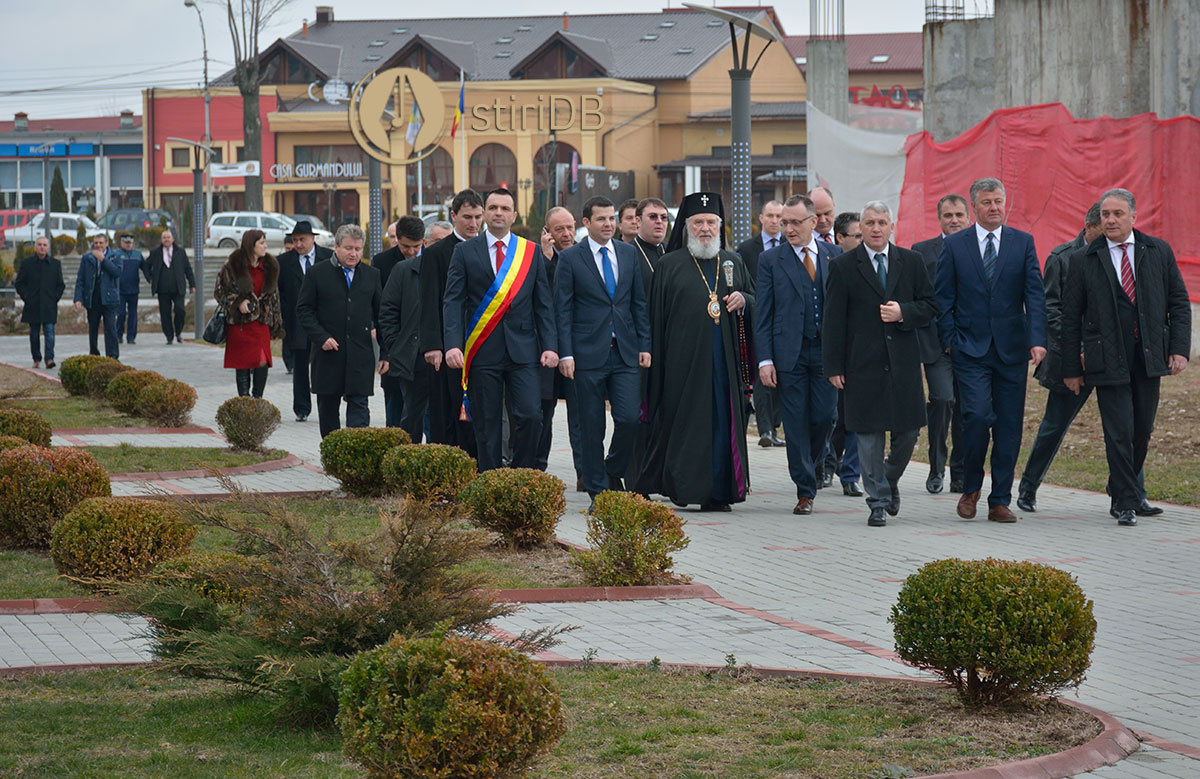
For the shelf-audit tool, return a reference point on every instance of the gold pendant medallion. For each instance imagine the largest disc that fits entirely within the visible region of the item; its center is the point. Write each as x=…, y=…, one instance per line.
x=714, y=308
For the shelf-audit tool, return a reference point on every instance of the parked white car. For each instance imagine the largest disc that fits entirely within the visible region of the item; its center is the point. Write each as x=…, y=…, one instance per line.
x=225, y=229
x=60, y=224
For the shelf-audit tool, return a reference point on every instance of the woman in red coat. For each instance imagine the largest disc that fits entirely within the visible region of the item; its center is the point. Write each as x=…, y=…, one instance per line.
x=248, y=289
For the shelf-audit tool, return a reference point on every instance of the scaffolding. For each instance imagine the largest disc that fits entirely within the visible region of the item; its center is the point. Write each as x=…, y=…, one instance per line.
x=956, y=10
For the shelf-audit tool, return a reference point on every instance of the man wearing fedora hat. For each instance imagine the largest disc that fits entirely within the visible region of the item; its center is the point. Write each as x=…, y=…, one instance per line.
x=294, y=264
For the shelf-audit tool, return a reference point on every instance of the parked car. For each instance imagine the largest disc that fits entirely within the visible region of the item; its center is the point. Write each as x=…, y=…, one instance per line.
x=321, y=234
x=60, y=224
x=129, y=220
x=225, y=229
x=15, y=217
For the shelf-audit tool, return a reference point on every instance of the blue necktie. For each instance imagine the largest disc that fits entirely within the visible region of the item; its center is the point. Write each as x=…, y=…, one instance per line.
x=610, y=281
x=348, y=277
x=881, y=269
x=989, y=258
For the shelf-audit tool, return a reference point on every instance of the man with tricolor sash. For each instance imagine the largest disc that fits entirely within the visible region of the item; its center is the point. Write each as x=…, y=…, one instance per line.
x=498, y=328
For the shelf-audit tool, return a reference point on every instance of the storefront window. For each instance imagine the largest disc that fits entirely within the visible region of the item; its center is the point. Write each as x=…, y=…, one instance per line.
x=492, y=166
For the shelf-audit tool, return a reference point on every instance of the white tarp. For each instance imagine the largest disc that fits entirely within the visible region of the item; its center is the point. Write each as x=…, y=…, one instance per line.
x=860, y=165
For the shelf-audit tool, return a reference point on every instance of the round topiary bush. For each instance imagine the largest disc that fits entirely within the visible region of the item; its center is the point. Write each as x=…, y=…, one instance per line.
x=118, y=538
x=447, y=706
x=25, y=423
x=125, y=389
x=208, y=574
x=352, y=455
x=427, y=471
x=12, y=442
x=167, y=403
x=632, y=540
x=39, y=486
x=995, y=629
x=247, y=422
x=74, y=370
x=521, y=504
x=100, y=375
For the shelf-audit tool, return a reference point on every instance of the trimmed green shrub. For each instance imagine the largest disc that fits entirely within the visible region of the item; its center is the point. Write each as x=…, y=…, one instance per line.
x=352, y=455
x=632, y=540
x=447, y=706
x=125, y=389
x=74, y=370
x=118, y=538
x=996, y=629
x=25, y=423
x=427, y=471
x=39, y=486
x=167, y=403
x=247, y=422
x=12, y=442
x=521, y=504
x=100, y=375
x=206, y=573
x=63, y=245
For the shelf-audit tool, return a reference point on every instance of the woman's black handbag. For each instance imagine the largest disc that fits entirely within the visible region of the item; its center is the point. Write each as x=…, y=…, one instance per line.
x=214, y=331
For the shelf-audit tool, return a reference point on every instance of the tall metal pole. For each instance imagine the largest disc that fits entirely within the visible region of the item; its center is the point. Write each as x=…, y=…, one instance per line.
x=46, y=194
x=375, y=204
x=198, y=239
x=739, y=83
x=207, y=106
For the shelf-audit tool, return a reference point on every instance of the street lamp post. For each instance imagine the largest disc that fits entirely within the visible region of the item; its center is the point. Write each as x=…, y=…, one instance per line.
x=739, y=111
x=207, y=104
x=45, y=149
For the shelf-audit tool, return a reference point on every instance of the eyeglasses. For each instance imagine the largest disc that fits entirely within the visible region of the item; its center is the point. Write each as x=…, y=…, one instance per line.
x=655, y=217
x=796, y=222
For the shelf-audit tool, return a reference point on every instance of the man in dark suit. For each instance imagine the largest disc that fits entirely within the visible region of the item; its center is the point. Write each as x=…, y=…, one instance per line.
x=97, y=289
x=992, y=317
x=399, y=332
x=627, y=220
x=767, y=414
x=504, y=351
x=171, y=279
x=339, y=311
x=788, y=322
x=558, y=235
x=847, y=230
x=294, y=266
x=942, y=410
x=445, y=383
x=878, y=297
x=40, y=284
x=408, y=233
x=604, y=336
x=1126, y=323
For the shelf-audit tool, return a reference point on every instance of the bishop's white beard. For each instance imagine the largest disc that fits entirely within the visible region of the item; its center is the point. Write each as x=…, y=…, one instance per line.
x=701, y=249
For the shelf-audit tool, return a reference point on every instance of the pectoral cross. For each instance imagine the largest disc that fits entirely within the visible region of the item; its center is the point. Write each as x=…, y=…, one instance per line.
x=704, y=200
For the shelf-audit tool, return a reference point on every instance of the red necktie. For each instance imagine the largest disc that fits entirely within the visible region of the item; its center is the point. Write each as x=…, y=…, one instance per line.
x=827, y=238
x=499, y=256
x=1127, y=282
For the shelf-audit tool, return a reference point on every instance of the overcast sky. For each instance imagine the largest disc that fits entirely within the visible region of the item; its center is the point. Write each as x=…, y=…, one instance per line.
x=94, y=59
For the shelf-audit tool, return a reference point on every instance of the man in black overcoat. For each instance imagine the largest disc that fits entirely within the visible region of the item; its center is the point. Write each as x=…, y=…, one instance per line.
x=878, y=295
x=40, y=284
x=339, y=311
x=294, y=265
x=407, y=235
x=399, y=332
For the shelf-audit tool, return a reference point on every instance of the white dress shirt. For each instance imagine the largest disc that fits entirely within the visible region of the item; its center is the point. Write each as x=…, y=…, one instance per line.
x=981, y=236
x=491, y=239
x=1114, y=252
x=766, y=239
x=884, y=251
x=167, y=255
x=612, y=257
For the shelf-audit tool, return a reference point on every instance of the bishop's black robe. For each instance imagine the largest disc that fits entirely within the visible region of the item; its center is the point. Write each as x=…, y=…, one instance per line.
x=697, y=450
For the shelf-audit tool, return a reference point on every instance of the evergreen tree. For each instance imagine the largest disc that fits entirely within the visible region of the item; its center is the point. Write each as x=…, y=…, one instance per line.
x=58, y=192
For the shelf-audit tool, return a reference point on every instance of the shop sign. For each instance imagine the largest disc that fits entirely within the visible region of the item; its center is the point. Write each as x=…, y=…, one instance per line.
x=317, y=170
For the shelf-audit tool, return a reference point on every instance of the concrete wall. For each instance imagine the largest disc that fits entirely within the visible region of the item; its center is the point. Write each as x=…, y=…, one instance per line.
x=959, y=75
x=1092, y=57
x=828, y=77
x=1175, y=58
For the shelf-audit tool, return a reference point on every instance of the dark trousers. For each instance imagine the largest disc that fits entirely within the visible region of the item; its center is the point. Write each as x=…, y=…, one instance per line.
x=35, y=341
x=171, y=313
x=620, y=383
x=881, y=471
x=1062, y=406
x=107, y=314
x=393, y=400
x=329, y=412
x=942, y=416
x=809, y=403
x=992, y=396
x=541, y=459
x=768, y=414
x=301, y=394
x=445, y=407
x=416, y=400
x=486, y=393
x=127, y=312
x=1127, y=414
x=841, y=454
x=251, y=381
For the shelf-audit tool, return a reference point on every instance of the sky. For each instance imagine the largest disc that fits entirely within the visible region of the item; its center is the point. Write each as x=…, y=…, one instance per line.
x=95, y=62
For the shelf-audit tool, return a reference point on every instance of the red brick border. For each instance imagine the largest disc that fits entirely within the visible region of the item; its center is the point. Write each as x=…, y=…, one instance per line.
x=580, y=594
x=237, y=470
x=52, y=606
x=33, y=371
x=189, y=430
x=27, y=670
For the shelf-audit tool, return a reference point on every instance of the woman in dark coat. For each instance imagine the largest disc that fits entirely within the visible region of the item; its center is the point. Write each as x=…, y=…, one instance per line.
x=248, y=289
x=40, y=285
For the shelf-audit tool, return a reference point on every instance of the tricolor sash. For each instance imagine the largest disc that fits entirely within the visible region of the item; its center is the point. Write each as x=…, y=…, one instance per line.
x=518, y=258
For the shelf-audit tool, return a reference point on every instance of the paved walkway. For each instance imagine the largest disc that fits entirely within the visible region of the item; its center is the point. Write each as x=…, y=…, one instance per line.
x=815, y=592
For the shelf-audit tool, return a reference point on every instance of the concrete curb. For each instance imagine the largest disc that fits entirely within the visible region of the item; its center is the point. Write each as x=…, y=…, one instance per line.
x=30, y=606
x=28, y=670
x=188, y=430
x=580, y=594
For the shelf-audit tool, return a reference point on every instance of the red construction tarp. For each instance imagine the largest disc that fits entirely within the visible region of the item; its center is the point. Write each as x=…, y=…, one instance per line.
x=1054, y=167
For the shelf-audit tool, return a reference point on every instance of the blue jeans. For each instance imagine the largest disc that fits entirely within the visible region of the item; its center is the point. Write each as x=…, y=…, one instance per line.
x=127, y=309
x=35, y=341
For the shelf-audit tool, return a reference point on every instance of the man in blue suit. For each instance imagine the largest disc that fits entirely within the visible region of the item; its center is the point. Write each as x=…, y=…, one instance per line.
x=97, y=289
x=790, y=296
x=604, y=336
x=993, y=319
x=508, y=357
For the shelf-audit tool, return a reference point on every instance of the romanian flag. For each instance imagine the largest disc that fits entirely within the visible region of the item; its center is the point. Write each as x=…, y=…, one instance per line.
x=518, y=258
x=458, y=112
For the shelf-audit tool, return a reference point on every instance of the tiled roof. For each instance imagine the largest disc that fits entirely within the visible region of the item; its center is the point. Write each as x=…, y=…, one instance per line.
x=82, y=124
x=905, y=51
x=671, y=44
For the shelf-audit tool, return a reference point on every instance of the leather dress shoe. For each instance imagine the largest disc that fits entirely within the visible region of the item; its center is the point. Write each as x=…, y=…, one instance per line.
x=716, y=505
x=893, y=506
x=933, y=485
x=803, y=506
x=301, y=417
x=776, y=440
x=765, y=441
x=1144, y=510
x=579, y=484
x=877, y=519
x=966, y=504
x=51, y=363
x=852, y=489
x=1126, y=518
x=1027, y=502
x=956, y=485
x=827, y=480
x=1001, y=514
